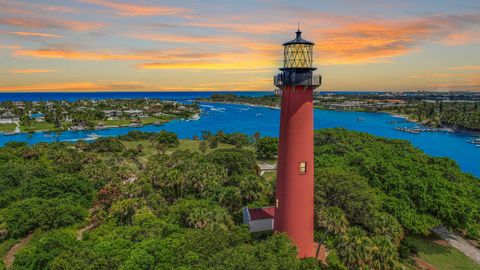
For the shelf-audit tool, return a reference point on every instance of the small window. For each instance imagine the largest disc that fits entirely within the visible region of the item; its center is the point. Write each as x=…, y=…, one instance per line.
x=303, y=168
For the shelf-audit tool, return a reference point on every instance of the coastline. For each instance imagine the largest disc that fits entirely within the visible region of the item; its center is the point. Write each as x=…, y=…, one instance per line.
x=46, y=131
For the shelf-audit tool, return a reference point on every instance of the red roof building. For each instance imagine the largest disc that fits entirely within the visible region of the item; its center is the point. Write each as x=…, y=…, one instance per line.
x=259, y=219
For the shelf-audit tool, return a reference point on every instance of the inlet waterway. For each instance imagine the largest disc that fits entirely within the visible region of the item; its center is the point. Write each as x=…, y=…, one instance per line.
x=250, y=119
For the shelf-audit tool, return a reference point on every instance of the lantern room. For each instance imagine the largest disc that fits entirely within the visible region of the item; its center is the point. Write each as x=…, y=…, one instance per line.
x=298, y=53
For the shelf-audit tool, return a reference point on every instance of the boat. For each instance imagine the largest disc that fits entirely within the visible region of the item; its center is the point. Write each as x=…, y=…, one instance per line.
x=409, y=130
x=475, y=141
x=195, y=117
x=258, y=115
x=360, y=119
x=91, y=137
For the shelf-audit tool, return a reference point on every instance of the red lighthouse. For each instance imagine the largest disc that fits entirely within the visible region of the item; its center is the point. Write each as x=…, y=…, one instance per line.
x=294, y=214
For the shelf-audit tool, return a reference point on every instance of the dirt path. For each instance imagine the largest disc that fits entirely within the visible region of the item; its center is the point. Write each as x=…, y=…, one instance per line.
x=459, y=243
x=10, y=257
x=82, y=230
x=423, y=264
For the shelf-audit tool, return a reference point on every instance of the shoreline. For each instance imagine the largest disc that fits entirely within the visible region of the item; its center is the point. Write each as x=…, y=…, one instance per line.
x=47, y=131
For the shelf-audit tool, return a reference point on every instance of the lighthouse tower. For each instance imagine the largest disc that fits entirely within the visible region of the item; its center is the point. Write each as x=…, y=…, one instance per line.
x=294, y=214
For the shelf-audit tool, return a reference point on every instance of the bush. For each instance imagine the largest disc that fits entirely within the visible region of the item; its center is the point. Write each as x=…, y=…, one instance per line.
x=235, y=161
x=107, y=145
x=41, y=252
x=267, y=148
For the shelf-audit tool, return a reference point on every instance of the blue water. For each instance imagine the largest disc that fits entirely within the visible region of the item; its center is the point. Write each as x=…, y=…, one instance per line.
x=250, y=119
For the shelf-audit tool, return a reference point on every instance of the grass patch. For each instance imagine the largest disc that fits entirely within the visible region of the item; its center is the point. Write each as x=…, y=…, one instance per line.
x=442, y=257
x=270, y=176
x=7, y=127
x=191, y=145
x=41, y=126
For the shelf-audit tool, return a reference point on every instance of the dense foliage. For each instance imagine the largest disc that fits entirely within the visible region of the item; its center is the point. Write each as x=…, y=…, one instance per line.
x=106, y=205
x=267, y=100
x=374, y=174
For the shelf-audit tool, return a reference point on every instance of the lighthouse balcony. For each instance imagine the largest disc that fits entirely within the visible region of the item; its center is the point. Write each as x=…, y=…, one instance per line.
x=305, y=79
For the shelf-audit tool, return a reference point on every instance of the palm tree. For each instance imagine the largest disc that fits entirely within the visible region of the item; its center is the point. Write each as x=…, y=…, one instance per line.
x=252, y=187
x=333, y=220
x=355, y=248
x=384, y=254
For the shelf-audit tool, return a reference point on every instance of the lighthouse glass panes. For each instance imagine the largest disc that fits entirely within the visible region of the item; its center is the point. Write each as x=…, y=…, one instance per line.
x=298, y=55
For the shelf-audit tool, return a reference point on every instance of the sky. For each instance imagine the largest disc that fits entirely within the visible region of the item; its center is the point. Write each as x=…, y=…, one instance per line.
x=212, y=45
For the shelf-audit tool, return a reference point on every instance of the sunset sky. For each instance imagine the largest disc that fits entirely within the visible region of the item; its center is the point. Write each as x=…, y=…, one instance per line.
x=110, y=45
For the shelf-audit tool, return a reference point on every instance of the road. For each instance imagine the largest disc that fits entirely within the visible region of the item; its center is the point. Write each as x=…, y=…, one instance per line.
x=459, y=243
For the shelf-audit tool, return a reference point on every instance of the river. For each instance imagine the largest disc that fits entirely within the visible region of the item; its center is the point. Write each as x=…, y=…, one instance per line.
x=250, y=119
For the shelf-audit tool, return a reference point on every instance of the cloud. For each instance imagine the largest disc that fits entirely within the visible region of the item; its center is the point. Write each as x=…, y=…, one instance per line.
x=76, y=86
x=204, y=65
x=81, y=26
x=165, y=59
x=10, y=47
x=465, y=68
x=30, y=71
x=34, y=34
x=242, y=27
x=174, y=54
x=182, y=38
x=381, y=40
x=133, y=10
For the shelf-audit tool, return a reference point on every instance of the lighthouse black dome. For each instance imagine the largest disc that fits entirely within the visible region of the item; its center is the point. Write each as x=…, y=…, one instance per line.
x=298, y=40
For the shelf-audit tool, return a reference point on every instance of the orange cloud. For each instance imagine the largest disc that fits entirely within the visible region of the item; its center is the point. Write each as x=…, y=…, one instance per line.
x=205, y=65
x=465, y=68
x=367, y=42
x=126, y=9
x=34, y=34
x=167, y=59
x=75, y=86
x=10, y=47
x=174, y=54
x=81, y=26
x=29, y=71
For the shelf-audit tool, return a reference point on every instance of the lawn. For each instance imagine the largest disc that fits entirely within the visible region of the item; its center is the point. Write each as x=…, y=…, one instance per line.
x=145, y=121
x=41, y=126
x=7, y=127
x=191, y=145
x=442, y=257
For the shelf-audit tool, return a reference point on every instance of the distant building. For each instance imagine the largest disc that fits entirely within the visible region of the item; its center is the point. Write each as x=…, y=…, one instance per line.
x=112, y=114
x=259, y=219
x=8, y=118
x=135, y=113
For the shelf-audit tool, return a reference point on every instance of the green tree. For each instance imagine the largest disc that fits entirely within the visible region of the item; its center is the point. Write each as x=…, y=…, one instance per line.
x=267, y=148
x=203, y=147
x=332, y=219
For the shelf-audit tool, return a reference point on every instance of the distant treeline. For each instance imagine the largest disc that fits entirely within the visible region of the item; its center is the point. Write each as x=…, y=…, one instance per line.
x=269, y=100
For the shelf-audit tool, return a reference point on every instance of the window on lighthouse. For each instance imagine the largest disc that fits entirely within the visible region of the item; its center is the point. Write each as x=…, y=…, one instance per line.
x=303, y=168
